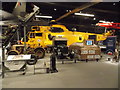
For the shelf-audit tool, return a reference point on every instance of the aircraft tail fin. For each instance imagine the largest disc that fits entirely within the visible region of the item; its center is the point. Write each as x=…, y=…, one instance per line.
x=24, y=10
x=20, y=8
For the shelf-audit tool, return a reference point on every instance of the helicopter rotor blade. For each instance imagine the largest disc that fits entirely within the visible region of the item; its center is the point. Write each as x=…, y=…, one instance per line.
x=77, y=9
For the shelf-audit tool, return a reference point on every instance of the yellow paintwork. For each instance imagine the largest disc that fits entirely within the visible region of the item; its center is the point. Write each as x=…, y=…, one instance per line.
x=43, y=41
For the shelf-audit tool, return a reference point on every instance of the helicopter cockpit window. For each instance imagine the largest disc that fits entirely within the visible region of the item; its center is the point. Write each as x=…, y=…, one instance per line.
x=56, y=30
x=36, y=28
x=38, y=34
x=32, y=35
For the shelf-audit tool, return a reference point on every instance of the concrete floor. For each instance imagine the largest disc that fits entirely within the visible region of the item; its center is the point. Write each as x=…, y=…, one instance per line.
x=102, y=74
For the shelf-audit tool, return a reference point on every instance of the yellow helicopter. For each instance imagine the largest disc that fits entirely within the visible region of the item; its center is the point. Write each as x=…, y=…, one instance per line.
x=43, y=36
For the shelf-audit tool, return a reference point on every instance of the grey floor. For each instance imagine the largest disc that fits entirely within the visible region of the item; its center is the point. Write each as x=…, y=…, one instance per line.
x=102, y=74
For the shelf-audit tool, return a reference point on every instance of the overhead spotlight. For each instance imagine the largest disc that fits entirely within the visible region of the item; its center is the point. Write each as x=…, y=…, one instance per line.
x=103, y=21
x=67, y=10
x=94, y=18
x=38, y=16
x=84, y=14
x=114, y=4
x=55, y=9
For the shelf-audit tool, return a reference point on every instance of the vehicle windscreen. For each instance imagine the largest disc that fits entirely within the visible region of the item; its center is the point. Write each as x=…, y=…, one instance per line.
x=56, y=30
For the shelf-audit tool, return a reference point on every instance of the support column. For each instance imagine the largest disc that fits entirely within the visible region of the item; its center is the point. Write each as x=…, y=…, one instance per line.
x=18, y=37
x=3, y=59
x=25, y=39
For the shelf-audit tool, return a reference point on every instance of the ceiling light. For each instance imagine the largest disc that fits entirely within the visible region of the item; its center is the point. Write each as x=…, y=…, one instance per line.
x=38, y=16
x=94, y=18
x=55, y=9
x=67, y=10
x=84, y=14
x=114, y=4
x=102, y=21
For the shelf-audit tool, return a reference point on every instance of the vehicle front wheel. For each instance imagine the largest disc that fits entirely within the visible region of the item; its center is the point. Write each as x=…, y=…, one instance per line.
x=39, y=53
x=13, y=52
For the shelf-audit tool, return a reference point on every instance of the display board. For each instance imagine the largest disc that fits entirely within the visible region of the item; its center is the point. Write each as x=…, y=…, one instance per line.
x=18, y=57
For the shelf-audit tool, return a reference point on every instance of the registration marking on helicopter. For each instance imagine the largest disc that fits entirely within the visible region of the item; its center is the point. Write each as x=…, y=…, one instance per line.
x=60, y=35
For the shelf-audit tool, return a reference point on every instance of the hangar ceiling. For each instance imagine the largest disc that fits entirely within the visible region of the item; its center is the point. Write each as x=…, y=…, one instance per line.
x=108, y=11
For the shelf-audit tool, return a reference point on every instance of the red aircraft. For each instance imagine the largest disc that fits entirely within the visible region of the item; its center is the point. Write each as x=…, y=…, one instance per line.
x=109, y=25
